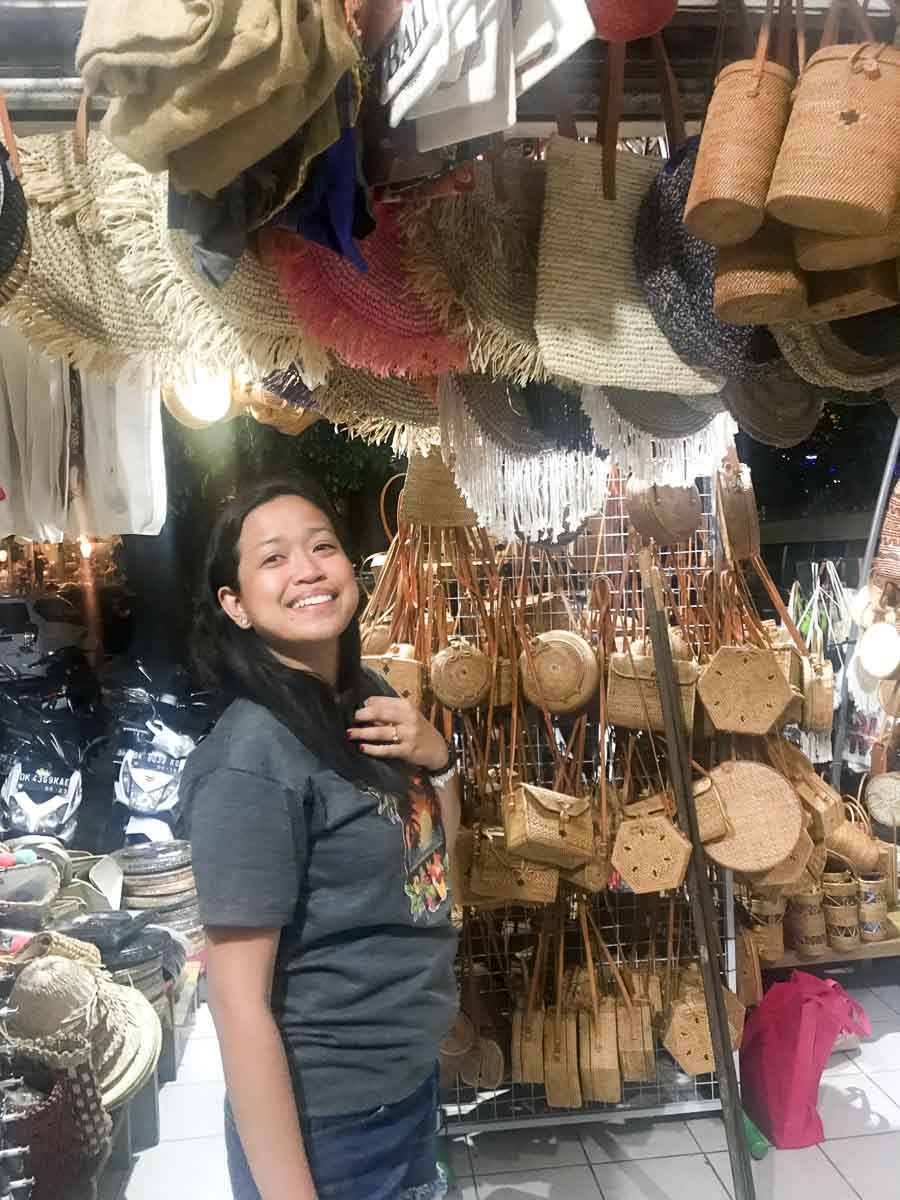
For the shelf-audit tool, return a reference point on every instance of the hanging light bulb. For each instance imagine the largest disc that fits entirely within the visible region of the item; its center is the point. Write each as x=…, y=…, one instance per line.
x=86, y=547
x=4, y=556
x=202, y=401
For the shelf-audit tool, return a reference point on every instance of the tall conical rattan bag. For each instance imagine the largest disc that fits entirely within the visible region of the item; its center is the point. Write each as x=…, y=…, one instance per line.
x=838, y=169
x=430, y=495
x=742, y=134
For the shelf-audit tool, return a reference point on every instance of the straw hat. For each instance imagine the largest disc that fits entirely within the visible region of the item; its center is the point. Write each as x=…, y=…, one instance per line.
x=74, y=303
x=677, y=273
x=658, y=413
x=245, y=326
x=68, y=1014
x=592, y=320
x=14, y=245
x=819, y=356
x=374, y=320
x=430, y=495
x=377, y=408
x=473, y=258
x=776, y=407
x=501, y=414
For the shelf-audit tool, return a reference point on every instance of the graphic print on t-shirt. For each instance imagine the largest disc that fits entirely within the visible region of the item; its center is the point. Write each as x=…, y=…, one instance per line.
x=424, y=846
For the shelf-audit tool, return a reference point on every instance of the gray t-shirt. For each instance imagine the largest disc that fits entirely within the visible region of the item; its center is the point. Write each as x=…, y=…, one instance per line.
x=358, y=882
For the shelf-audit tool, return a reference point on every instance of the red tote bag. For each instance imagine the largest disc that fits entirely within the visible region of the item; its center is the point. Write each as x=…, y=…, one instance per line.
x=787, y=1043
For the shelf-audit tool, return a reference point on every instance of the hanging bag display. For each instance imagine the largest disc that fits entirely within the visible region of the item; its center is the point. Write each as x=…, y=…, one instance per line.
x=838, y=170
x=742, y=133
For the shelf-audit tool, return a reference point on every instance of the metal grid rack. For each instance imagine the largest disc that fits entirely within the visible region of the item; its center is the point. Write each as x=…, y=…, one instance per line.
x=517, y=1105
x=603, y=552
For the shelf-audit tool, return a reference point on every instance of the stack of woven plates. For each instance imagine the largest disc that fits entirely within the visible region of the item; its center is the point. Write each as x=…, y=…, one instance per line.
x=159, y=878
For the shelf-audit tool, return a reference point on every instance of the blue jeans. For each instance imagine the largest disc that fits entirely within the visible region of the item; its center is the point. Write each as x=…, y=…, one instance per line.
x=385, y=1153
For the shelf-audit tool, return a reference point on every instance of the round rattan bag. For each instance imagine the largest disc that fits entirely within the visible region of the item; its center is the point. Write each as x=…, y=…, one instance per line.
x=664, y=512
x=559, y=671
x=765, y=815
x=461, y=675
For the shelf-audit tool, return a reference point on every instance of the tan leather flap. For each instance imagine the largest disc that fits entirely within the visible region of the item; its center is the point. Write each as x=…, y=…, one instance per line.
x=555, y=802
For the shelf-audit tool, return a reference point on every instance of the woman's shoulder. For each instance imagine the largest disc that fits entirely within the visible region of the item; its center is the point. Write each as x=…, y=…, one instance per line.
x=248, y=738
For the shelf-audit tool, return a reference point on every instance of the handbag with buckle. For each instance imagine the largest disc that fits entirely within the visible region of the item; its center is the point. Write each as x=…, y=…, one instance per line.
x=548, y=827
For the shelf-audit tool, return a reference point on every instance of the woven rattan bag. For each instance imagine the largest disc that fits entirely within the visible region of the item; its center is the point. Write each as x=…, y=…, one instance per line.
x=883, y=799
x=742, y=134
x=461, y=675
x=548, y=827
x=498, y=875
x=592, y=322
x=765, y=817
x=559, y=671
x=736, y=505
x=758, y=281
x=838, y=169
x=650, y=854
x=633, y=699
x=402, y=670
x=664, y=512
x=839, y=252
x=744, y=691
x=818, y=694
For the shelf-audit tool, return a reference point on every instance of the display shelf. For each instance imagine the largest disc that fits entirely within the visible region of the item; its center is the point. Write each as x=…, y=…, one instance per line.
x=889, y=948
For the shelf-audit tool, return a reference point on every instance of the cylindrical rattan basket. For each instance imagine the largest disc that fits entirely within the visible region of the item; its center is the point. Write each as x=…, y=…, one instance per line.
x=758, y=282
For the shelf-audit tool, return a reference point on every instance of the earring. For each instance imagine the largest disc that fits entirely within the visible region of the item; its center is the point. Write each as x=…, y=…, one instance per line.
x=245, y=621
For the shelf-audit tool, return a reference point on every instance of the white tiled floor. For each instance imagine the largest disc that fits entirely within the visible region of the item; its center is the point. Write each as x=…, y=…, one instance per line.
x=859, y=1160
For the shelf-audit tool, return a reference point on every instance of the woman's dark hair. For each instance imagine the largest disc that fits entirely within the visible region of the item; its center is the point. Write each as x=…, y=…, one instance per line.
x=236, y=662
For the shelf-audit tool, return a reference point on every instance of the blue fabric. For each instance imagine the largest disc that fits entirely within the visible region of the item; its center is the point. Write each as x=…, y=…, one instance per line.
x=386, y=1153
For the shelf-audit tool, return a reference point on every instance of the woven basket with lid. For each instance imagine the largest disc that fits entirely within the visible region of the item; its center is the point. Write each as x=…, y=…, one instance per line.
x=765, y=816
x=461, y=675
x=559, y=671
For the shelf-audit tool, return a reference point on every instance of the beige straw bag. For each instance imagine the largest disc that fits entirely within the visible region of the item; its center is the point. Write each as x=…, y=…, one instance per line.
x=559, y=671
x=461, y=675
x=548, y=827
x=768, y=928
x=765, y=817
x=742, y=133
x=838, y=169
x=650, y=854
x=531, y=1054
x=663, y=512
x=592, y=321
x=749, y=969
x=633, y=699
x=758, y=281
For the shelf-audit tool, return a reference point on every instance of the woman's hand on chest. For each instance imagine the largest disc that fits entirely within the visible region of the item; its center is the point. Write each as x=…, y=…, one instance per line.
x=393, y=728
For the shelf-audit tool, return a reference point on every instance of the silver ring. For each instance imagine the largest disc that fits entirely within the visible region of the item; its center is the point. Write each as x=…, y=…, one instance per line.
x=396, y=738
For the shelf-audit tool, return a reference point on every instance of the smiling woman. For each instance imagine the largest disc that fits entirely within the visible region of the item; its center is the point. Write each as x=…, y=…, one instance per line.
x=322, y=809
